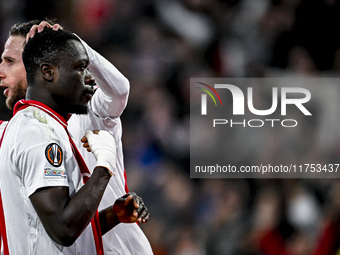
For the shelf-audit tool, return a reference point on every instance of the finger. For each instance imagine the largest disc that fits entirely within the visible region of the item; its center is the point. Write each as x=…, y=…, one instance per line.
x=140, y=205
x=31, y=33
x=88, y=149
x=57, y=27
x=141, y=208
x=27, y=37
x=124, y=200
x=136, y=200
x=83, y=139
x=33, y=29
x=143, y=214
x=86, y=145
x=127, y=200
x=135, y=215
x=125, y=195
x=42, y=25
x=87, y=134
x=90, y=132
x=146, y=218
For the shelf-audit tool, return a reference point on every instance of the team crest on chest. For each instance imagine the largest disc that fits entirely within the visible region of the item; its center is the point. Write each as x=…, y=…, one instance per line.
x=54, y=154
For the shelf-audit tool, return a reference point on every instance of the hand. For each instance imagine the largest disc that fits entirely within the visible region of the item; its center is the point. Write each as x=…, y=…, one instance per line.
x=130, y=208
x=102, y=145
x=40, y=28
x=86, y=143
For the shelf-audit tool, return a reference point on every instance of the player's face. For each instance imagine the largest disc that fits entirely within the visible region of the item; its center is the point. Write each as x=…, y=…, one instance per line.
x=75, y=82
x=12, y=71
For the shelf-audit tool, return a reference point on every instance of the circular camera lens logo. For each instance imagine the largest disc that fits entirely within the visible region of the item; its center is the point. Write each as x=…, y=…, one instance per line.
x=54, y=154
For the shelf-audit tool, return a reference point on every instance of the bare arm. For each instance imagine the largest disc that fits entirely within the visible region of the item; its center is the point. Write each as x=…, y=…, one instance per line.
x=65, y=218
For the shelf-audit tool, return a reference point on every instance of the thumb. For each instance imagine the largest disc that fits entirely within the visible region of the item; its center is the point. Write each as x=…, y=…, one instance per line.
x=88, y=133
x=124, y=201
x=127, y=201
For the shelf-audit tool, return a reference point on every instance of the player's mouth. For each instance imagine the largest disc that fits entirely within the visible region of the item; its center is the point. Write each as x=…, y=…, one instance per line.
x=6, y=89
x=89, y=93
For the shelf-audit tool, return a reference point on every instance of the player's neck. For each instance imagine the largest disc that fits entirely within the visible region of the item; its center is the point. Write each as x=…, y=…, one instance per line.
x=46, y=98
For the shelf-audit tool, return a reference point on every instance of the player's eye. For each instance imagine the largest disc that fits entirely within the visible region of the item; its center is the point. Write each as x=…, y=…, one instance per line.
x=8, y=60
x=83, y=67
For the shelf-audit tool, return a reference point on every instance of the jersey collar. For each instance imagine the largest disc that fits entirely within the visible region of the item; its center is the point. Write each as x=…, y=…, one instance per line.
x=22, y=104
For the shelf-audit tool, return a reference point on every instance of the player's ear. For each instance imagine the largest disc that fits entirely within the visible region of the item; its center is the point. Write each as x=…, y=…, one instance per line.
x=47, y=71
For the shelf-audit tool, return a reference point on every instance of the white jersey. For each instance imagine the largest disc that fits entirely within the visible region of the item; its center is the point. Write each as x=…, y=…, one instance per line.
x=36, y=153
x=106, y=105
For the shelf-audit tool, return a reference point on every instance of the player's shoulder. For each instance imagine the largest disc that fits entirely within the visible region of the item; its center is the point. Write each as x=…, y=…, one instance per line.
x=30, y=118
x=33, y=124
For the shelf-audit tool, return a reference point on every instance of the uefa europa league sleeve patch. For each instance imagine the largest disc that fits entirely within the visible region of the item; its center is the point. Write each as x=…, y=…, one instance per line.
x=54, y=154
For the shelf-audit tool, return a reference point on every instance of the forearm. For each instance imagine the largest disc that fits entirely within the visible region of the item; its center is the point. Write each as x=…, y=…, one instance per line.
x=108, y=219
x=113, y=83
x=84, y=204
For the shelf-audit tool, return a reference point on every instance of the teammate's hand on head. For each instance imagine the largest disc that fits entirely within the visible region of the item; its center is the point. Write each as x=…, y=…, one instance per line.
x=130, y=208
x=102, y=144
x=40, y=28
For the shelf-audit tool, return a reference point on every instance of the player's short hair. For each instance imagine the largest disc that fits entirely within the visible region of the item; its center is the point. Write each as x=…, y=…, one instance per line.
x=22, y=28
x=47, y=46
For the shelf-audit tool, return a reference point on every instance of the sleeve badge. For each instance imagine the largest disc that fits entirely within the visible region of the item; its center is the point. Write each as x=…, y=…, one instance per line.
x=54, y=154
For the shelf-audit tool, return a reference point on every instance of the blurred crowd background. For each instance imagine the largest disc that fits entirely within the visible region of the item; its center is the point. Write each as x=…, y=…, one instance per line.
x=158, y=46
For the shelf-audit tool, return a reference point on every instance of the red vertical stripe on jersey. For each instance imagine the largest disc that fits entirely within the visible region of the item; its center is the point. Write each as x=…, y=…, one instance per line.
x=126, y=186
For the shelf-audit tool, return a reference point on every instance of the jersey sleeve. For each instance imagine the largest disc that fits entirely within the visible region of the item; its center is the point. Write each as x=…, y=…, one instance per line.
x=111, y=98
x=42, y=165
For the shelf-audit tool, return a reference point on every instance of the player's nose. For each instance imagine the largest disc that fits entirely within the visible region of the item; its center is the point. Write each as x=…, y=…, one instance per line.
x=2, y=74
x=89, y=79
